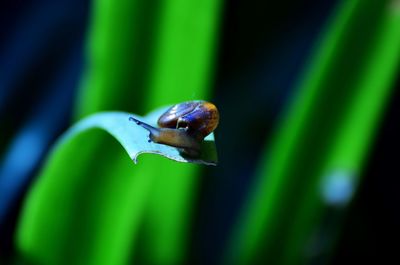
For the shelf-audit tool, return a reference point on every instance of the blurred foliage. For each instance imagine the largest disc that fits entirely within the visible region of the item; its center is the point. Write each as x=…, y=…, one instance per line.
x=313, y=167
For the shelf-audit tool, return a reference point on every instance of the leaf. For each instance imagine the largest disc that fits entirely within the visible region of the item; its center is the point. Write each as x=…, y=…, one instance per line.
x=87, y=169
x=140, y=56
x=134, y=138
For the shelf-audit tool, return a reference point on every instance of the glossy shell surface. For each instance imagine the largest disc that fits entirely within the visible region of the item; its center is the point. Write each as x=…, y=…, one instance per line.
x=197, y=117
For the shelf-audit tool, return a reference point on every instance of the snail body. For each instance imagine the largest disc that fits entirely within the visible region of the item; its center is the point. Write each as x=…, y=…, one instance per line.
x=184, y=126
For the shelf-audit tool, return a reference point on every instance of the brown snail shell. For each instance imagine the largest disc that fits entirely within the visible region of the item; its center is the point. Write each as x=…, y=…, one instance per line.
x=198, y=118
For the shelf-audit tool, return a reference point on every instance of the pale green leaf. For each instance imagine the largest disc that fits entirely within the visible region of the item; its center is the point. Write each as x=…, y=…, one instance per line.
x=134, y=138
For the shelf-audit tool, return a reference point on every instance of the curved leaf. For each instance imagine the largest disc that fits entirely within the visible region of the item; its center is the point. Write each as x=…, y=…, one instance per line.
x=134, y=138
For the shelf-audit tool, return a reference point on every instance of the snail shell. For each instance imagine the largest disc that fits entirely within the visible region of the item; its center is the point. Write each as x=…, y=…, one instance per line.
x=199, y=118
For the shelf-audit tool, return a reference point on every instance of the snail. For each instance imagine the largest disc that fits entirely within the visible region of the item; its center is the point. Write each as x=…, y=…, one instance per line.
x=184, y=126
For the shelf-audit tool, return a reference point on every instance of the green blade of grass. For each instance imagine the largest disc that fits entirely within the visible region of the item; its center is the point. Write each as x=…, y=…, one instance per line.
x=340, y=172
x=44, y=200
x=326, y=135
x=88, y=208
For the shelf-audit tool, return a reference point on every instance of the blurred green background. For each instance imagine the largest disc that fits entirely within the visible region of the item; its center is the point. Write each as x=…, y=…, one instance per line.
x=307, y=97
